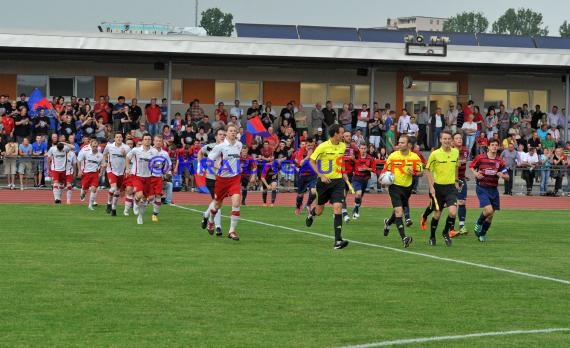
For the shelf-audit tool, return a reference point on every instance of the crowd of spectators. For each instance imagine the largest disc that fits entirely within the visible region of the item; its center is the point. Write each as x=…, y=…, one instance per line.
x=533, y=136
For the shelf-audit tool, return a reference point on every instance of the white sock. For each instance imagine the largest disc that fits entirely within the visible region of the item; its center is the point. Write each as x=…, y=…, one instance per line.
x=234, y=218
x=156, y=206
x=218, y=218
x=110, y=195
x=129, y=202
x=210, y=207
x=69, y=192
x=57, y=192
x=92, y=197
x=115, y=200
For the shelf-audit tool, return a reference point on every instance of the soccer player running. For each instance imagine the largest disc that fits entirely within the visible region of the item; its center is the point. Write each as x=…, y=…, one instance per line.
x=211, y=180
x=70, y=173
x=331, y=182
x=307, y=180
x=162, y=168
x=488, y=168
x=141, y=172
x=89, y=162
x=404, y=164
x=443, y=182
x=351, y=153
x=360, y=178
x=57, y=163
x=129, y=194
x=114, y=162
x=228, y=179
x=462, y=193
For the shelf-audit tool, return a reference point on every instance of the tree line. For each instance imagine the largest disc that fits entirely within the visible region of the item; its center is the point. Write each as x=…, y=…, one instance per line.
x=525, y=22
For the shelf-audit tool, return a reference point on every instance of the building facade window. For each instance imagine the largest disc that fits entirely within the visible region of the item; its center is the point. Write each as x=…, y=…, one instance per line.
x=245, y=91
x=122, y=86
x=149, y=89
x=312, y=93
x=515, y=98
x=50, y=86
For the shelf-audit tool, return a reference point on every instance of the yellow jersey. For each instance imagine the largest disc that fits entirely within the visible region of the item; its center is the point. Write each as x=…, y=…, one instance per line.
x=400, y=165
x=443, y=165
x=328, y=158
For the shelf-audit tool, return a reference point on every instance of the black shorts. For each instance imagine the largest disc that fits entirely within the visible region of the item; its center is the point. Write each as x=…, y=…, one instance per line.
x=332, y=192
x=245, y=181
x=445, y=196
x=305, y=183
x=399, y=195
x=211, y=184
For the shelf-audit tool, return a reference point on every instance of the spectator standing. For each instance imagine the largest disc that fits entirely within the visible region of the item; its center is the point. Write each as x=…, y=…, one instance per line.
x=545, y=164
x=470, y=130
x=25, y=151
x=117, y=114
x=136, y=114
x=22, y=125
x=504, y=120
x=152, y=114
x=437, y=122
x=163, y=112
x=529, y=162
x=237, y=111
x=451, y=119
x=330, y=116
x=363, y=116
x=317, y=118
x=10, y=154
x=423, y=119
x=102, y=110
x=404, y=122
x=511, y=158
x=375, y=129
x=345, y=118
x=39, y=149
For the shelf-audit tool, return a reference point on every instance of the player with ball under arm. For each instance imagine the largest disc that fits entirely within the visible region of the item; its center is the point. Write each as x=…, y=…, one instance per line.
x=403, y=164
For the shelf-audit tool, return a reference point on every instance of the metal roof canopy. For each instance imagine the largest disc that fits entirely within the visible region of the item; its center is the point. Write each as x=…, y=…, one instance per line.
x=271, y=52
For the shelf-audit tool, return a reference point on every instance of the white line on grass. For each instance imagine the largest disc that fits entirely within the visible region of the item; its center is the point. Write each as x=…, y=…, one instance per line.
x=406, y=251
x=456, y=337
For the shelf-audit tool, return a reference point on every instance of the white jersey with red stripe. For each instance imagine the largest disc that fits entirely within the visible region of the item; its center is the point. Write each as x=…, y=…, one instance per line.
x=162, y=166
x=230, y=154
x=116, y=158
x=141, y=161
x=90, y=162
x=58, y=158
x=71, y=162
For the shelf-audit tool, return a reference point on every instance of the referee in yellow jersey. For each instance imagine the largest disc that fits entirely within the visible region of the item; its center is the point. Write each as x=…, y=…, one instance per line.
x=326, y=162
x=404, y=164
x=443, y=183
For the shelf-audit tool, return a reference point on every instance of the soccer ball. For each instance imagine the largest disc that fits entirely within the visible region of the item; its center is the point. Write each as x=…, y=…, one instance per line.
x=387, y=178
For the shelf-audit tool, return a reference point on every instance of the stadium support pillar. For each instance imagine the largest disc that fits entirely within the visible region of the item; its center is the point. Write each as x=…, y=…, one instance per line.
x=567, y=111
x=169, y=92
x=372, y=74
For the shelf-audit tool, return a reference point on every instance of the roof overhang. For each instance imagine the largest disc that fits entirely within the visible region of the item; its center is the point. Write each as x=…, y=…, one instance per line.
x=185, y=48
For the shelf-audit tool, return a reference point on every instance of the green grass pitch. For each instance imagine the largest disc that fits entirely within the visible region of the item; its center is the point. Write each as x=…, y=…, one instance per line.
x=70, y=277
